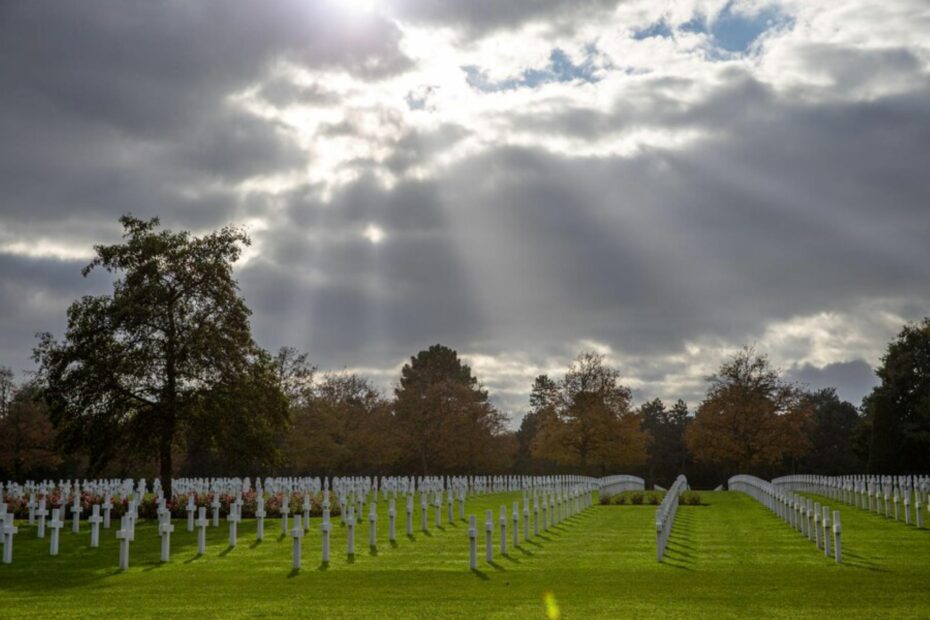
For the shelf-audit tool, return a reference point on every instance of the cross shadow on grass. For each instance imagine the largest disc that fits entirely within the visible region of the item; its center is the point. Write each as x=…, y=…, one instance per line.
x=226, y=551
x=858, y=561
x=480, y=574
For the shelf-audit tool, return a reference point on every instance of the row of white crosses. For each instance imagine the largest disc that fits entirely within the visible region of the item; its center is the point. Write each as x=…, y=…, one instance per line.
x=804, y=515
x=891, y=496
x=665, y=514
x=352, y=493
x=556, y=503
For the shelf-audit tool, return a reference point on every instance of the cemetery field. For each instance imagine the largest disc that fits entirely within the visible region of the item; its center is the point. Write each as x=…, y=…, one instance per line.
x=729, y=558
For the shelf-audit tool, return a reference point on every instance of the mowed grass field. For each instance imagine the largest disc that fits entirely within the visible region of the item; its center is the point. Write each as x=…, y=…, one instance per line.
x=729, y=558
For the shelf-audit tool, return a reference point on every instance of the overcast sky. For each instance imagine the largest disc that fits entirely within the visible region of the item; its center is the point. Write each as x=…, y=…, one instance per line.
x=663, y=182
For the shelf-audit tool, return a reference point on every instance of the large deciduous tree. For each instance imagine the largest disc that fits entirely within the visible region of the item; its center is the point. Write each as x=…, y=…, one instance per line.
x=751, y=421
x=834, y=429
x=167, y=356
x=344, y=427
x=27, y=439
x=585, y=420
x=898, y=409
x=668, y=453
x=445, y=417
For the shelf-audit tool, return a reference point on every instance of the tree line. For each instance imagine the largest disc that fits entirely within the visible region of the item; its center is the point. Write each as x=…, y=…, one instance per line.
x=161, y=377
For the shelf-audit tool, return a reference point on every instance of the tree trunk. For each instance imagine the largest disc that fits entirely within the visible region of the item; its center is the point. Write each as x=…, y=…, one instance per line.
x=164, y=458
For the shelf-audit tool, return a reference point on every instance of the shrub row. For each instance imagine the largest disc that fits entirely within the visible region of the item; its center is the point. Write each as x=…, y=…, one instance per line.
x=651, y=498
x=634, y=498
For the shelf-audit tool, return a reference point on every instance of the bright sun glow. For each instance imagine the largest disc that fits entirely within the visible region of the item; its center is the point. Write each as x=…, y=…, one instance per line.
x=373, y=233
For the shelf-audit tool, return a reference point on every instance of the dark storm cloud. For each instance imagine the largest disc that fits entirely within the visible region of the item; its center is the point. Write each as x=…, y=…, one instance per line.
x=33, y=296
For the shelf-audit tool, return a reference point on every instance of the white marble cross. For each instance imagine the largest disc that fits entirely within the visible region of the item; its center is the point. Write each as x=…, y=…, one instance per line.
x=424, y=516
x=233, y=519
x=503, y=522
x=216, y=508
x=306, y=507
x=56, y=524
x=837, y=538
x=825, y=521
x=260, y=517
x=107, y=507
x=41, y=513
x=95, y=520
x=76, y=510
x=297, y=533
x=325, y=529
x=409, y=515
x=350, y=524
x=125, y=535
x=516, y=524
x=165, y=528
x=285, y=511
x=536, y=515
x=8, y=529
x=373, y=526
x=202, y=523
x=489, y=535
x=191, y=509
x=392, y=519
x=526, y=519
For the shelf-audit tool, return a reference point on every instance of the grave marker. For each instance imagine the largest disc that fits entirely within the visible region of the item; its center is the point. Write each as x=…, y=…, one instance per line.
x=489, y=536
x=297, y=533
x=165, y=528
x=202, y=523
x=191, y=509
x=503, y=530
x=76, y=510
x=392, y=517
x=42, y=512
x=125, y=535
x=8, y=529
x=837, y=538
x=372, y=526
x=56, y=524
x=95, y=520
x=107, y=507
x=350, y=524
x=233, y=519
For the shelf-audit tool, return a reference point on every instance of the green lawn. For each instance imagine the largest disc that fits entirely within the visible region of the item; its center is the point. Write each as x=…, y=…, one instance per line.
x=730, y=558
